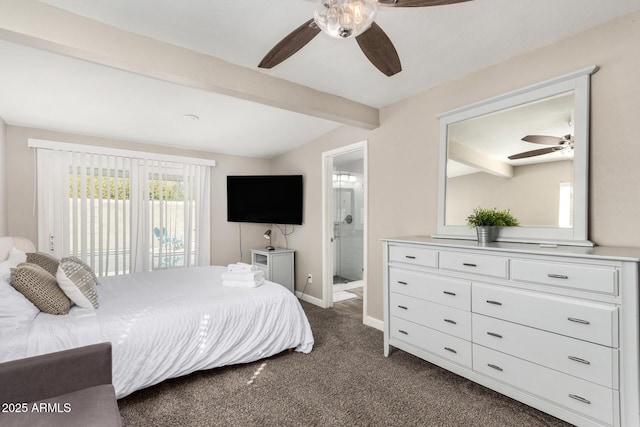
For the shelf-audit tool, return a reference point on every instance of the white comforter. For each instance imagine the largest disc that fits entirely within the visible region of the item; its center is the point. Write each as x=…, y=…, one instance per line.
x=168, y=323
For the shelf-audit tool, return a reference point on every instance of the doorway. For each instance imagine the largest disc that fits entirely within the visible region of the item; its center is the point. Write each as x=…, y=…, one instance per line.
x=344, y=230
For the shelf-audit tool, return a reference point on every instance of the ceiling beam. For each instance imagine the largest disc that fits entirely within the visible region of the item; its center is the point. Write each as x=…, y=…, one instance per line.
x=42, y=26
x=470, y=157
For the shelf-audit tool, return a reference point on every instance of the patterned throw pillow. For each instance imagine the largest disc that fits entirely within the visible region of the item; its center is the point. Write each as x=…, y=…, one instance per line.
x=83, y=264
x=44, y=260
x=78, y=282
x=39, y=287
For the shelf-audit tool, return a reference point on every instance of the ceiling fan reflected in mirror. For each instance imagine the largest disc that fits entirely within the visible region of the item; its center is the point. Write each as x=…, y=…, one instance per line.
x=564, y=144
x=346, y=19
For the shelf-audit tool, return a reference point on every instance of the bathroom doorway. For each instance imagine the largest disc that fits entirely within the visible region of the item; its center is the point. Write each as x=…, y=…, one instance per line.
x=345, y=228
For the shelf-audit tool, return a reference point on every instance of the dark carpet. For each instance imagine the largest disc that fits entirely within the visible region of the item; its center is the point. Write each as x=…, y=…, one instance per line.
x=344, y=381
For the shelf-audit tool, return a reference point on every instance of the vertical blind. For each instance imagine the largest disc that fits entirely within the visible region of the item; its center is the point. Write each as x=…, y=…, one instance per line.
x=123, y=214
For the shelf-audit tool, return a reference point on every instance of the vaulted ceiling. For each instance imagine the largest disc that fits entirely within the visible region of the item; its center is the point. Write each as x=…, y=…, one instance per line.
x=132, y=69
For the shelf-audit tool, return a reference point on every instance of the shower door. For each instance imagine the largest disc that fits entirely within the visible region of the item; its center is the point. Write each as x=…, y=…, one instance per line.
x=347, y=226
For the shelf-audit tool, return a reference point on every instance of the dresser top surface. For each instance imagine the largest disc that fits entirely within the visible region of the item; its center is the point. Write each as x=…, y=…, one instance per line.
x=602, y=252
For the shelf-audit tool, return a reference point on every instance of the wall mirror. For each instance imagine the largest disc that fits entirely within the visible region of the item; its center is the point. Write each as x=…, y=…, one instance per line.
x=526, y=151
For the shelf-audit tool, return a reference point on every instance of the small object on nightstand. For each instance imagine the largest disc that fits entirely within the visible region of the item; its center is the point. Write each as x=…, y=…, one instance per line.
x=267, y=235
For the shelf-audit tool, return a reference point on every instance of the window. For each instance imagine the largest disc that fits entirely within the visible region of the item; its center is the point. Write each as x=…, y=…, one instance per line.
x=121, y=212
x=565, y=210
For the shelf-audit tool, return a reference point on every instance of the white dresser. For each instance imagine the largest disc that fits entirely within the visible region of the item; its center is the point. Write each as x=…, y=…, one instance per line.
x=555, y=328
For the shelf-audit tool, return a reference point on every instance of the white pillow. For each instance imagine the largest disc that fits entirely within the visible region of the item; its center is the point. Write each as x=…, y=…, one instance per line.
x=16, y=256
x=78, y=282
x=15, y=310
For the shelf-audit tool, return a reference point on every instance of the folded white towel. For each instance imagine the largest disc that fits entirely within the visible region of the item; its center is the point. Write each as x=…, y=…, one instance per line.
x=242, y=283
x=248, y=276
x=241, y=266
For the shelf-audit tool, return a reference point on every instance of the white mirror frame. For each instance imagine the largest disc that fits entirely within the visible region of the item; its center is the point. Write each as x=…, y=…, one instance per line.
x=579, y=82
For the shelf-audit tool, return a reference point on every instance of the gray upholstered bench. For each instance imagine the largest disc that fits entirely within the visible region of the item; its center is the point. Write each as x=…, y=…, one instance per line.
x=66, y=388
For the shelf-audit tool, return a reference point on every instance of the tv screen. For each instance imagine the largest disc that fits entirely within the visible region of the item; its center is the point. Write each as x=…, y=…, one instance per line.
x=272, y=199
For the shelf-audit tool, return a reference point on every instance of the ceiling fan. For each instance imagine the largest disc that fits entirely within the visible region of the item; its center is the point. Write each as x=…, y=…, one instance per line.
x=558, y=144
x=347, y=19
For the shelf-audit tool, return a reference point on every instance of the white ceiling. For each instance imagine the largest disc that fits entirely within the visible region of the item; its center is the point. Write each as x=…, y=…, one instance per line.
x=50, y=91
x=435, y=44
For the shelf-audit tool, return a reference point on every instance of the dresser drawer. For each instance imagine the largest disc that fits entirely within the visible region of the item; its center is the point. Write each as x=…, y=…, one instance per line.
x=585, y=320
x=493, y=266
x=591, y=362
x=573, y=393
x=413, y=255
x=583, y=277
x=440, y=317
x=444, y=345
x=441, y=289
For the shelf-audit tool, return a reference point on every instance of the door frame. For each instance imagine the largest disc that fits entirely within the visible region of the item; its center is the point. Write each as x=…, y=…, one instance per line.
x=327, y=222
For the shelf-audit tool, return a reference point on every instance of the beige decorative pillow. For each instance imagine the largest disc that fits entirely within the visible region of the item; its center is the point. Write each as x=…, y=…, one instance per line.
x=78, y=283
x=39, y=287
x=44, y=260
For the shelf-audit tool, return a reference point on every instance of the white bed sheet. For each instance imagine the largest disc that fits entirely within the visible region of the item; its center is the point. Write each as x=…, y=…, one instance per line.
x=168, y=323
x=48, y=333
x=13, y=345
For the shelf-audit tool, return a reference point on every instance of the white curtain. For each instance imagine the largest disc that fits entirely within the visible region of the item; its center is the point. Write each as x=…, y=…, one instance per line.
x=123, y=214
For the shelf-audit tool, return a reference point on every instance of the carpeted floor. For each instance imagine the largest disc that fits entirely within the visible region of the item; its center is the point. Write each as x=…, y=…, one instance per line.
x=344, y=381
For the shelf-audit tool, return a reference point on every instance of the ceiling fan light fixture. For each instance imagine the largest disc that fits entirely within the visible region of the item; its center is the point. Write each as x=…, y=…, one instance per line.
x=345, y=19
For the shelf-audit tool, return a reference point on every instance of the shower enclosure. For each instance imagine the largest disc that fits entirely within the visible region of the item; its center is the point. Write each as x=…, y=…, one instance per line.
x=348, y=221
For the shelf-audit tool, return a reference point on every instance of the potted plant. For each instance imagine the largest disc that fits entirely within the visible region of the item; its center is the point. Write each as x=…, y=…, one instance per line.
x=487, y=222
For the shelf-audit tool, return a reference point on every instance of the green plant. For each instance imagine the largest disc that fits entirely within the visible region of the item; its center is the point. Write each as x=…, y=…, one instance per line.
x=488, y=217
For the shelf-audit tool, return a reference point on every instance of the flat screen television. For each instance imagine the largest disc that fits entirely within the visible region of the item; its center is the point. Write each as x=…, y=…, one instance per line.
x=272, y=199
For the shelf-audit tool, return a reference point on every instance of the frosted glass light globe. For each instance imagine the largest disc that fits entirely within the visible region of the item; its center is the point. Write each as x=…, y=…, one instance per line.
x=344, y=19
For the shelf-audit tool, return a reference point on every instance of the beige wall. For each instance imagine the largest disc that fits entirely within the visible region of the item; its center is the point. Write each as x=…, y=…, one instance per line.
x=225, y=242
x=403, y=152
x=539, y=182
x=3, y=179
x=307, y=238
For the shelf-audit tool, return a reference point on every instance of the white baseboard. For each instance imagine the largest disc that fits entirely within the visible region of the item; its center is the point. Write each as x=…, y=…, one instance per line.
x=374, y=323
x=311, y=300
x=367, y=320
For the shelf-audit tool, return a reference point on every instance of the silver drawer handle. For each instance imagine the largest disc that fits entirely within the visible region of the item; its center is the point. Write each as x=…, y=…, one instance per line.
x=579, y=360
x=402, y=283
x=469, y=264
x=449, y=293
x=580, y=399
x=451, y=350
x=403, y=332
x=494, y=302
x=403, y=307
x=575, y=320
x=453, y=322
x=557, y=276
x=493, y=334
x=496, y=367
x=410, y=257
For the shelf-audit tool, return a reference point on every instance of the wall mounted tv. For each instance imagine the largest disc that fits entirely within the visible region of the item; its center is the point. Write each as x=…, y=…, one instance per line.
x=272, y=199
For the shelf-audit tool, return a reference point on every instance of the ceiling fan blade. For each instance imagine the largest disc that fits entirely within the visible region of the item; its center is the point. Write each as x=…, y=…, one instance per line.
x=377, y=47
x=543, y=139
x=418, y=3
x=289, y=45
x=532, y=153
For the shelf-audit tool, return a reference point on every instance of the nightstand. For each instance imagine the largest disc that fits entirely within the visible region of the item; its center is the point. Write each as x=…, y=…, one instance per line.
x=278, y=265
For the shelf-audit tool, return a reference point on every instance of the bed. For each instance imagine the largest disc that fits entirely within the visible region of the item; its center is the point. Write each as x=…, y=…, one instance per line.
x=164, y=324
